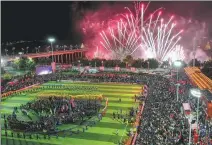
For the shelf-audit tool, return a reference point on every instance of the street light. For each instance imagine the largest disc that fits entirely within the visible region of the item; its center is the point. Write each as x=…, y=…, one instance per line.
x=148, y=65
x=38, y=49
x=79, y=65
x=190, y=120
x=102, y=63
x=177, y=91
x=27, y=49
x=13, y=49
x=95, y=64
x=196, y=93
x=177, y=64
x=6, y=52
x=2, y=62
x=51, y=40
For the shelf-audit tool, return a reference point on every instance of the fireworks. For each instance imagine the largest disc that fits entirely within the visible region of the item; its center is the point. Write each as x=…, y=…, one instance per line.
x=138, y=35
x=134, y=32
x=99, y=54
x=121, y=40
x=176, y=54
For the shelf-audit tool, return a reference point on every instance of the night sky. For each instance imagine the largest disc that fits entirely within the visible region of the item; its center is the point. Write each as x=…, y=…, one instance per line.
x=37, y=20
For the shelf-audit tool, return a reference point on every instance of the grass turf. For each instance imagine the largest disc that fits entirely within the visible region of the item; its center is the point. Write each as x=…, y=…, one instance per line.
x=103, y=133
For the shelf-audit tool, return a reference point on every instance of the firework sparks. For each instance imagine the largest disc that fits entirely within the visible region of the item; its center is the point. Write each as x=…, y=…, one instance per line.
x=99, y=54
x=120, y=41
x=134, y=32
x=176, y=54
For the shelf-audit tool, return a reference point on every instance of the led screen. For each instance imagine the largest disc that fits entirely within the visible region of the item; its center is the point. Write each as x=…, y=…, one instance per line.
x=43, y=70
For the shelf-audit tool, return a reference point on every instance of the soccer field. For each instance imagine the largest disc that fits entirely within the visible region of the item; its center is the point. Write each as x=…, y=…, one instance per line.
x=103, y=133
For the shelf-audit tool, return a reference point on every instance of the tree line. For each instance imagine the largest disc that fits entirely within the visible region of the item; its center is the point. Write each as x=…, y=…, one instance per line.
x=25, y=63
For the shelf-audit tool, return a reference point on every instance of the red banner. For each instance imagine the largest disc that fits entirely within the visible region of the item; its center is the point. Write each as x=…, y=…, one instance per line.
x=53, y=64
x=209, y=110
x=133, y=69
x=196, y=138
x=117, y=68
x=101, y=68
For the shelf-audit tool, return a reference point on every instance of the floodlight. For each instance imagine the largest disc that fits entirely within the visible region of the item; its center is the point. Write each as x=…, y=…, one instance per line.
x=51, y=39
x=177, y=63
x=196, y=93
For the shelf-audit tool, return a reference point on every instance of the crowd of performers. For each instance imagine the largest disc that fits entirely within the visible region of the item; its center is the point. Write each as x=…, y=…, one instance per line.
x=162, y=121
x=52, y=111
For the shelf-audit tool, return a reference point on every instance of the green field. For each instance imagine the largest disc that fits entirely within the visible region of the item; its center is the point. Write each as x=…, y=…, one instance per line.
x=103, y=133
